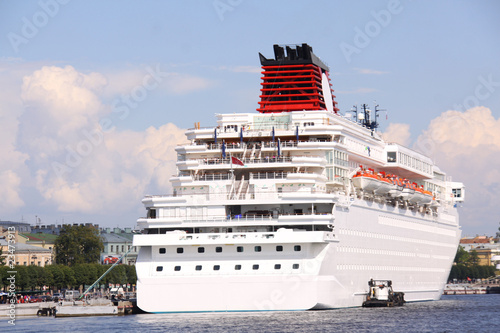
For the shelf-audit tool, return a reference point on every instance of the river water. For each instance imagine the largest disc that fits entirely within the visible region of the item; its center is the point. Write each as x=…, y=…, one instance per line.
x=460, y=313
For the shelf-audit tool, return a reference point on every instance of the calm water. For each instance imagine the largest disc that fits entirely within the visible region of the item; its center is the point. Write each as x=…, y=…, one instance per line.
x=464, y=313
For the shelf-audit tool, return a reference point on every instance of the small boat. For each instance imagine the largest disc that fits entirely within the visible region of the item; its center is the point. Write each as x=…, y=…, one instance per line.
x=382, y=295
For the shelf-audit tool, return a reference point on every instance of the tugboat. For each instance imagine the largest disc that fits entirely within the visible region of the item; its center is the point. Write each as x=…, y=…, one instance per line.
x=382, y=295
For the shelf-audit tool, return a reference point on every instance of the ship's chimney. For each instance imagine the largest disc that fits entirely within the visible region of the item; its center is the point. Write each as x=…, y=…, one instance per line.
x=295, y=80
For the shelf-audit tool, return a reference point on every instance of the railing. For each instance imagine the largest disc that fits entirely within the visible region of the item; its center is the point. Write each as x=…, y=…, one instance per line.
x=267, y=159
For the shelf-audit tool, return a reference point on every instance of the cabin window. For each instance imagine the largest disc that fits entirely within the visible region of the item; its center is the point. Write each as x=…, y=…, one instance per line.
x=163, y=250
x=297, y=248
x=111, y=248
x=159, y=268
x=277, y=266
x=218, y=249
x=295, y=266
x=216, y=267
x=237, y=267
x=177, y=268
x=255, y=267
x=258, y=248
x=457, y=192
x=180, y=250
x=198, y=267
x=151, y=213
x=279, y=248
x=239, y=249
x=201, y=250
x=391, y=157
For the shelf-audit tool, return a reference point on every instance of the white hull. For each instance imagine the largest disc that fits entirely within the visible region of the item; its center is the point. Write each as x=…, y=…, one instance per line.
x=370, y=241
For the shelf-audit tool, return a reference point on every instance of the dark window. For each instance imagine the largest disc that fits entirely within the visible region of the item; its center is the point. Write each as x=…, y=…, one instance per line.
x=258, y=248
x=159, y=268
x=218, y=249
x=255, y=267
x=239, y=249
x=162, y=250
x=277, y=266
x=198, y=267
x=180, y=250
x=216, y=267
x=201, y=250
x=391, y=156
x=177, y=268
x=295, y=266
x=279, y=248
x=297, y=248
x=237, y=267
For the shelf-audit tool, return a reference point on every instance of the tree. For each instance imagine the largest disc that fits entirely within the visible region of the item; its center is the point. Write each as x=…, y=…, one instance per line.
x=2, y=259
x=462, y=256
x=78, y=244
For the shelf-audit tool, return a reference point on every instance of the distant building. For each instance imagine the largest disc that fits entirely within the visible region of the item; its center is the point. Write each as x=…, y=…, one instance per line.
x=487, y=250
x=20, y=226
x=55, y=229
x=26, y=255
x=46, y=241
x=116, y=243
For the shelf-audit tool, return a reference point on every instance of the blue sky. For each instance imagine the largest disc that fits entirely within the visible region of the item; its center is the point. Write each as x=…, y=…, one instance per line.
x=417, y=59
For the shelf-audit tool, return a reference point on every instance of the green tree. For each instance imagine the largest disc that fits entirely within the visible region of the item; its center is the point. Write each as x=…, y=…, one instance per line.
x=2, y=258
x=473, y=258
x=78, y=244
x=462, y=256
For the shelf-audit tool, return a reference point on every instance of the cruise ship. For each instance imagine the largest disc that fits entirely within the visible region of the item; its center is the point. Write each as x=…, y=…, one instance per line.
x=295, y=207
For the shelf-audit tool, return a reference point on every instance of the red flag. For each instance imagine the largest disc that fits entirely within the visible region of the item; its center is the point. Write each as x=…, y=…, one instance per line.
x=468, y=279
x=234, y=160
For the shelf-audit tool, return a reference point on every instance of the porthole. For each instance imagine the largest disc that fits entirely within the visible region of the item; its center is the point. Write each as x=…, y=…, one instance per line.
x=180, y=250
x=277, y=266
x=198, y=267
x=218, y=249
x=295, y=266
x=201, y=250
x=258, y=248
x=163, y=250
x=297, y=248
x=237, y=267
x=159, y=268
x=216, y=267
x=177, y=268
x=255, y=267
x=279, y=248
x=239, y=249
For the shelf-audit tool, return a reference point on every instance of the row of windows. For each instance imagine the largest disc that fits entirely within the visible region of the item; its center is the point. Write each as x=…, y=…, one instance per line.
x=123, y=248
x=218, y=249
x=217, y=267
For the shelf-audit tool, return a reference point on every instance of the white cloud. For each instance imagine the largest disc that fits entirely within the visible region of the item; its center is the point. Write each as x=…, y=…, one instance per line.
x=467, y=146
x=399, y=133
x=9, y=195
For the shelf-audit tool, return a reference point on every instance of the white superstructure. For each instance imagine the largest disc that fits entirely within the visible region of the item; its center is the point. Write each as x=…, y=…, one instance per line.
x=318, y=208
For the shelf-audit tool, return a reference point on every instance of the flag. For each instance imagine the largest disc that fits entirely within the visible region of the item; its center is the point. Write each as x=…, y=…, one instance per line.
x=223, y=149
x=273, y=133
x=236, y=161
x=241, y=134
x=279, y=148
x=468, y=279
x=215, y=135
x=297, y=133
